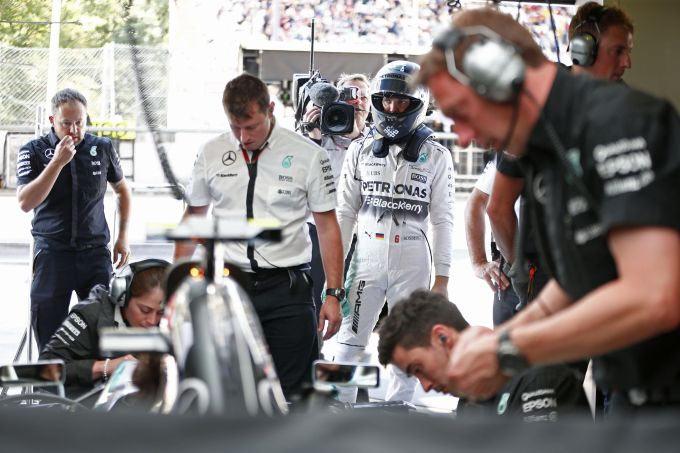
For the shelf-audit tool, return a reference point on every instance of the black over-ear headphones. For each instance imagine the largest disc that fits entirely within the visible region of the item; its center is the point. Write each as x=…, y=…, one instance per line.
x=584, y=44
x=121, y=281
x=492, y=66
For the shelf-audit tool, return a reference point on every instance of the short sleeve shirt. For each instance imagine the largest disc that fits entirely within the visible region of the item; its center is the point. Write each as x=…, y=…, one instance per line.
x=485, y=181
x=620, y=167
x=294, y=177
x=72, y=214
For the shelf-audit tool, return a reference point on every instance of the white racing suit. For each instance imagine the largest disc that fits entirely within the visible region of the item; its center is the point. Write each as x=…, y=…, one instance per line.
x=391, y=202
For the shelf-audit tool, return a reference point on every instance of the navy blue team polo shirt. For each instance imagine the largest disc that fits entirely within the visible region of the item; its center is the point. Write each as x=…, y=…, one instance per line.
x=72, y=215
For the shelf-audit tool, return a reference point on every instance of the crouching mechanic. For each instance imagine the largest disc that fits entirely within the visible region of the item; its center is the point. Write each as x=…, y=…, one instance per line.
x=134, y=300
x=394, y=183
x=421, y=331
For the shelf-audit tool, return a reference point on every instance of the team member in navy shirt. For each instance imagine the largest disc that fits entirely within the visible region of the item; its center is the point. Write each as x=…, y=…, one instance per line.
x=62, y=176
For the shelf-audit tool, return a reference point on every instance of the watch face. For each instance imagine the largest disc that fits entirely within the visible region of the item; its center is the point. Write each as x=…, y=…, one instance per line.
x=338, y=293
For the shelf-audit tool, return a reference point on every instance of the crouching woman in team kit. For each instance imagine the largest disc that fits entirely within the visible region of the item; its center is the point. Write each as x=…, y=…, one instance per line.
x=134, y=300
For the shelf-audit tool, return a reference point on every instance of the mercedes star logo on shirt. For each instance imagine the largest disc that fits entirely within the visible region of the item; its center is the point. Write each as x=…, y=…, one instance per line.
x=49, y=153
x=228, y=158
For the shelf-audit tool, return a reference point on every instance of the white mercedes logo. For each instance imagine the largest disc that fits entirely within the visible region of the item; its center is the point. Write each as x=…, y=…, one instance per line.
x=228, y=158
x=49, y=153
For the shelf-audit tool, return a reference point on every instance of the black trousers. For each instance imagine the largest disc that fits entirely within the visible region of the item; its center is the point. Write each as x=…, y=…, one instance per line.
x=318, y=275
x=282, y=299
x=56, y=274
x=504, y=305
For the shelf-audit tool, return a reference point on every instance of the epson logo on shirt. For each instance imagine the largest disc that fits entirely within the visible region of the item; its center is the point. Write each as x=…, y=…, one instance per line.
x=78, y=320
x=541, y=403
x=284, y=192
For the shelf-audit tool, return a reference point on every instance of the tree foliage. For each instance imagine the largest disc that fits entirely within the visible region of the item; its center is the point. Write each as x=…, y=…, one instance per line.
x=101, y=22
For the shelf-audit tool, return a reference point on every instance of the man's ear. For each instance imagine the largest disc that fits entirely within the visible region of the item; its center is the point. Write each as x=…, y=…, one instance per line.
x=442, y=335
x=270, y=109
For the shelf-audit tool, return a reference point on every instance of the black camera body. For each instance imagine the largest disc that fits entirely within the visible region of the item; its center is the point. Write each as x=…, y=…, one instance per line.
x=337, y=116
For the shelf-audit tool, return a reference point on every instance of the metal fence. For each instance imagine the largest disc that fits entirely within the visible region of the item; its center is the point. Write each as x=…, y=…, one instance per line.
x=468, y=162
x=105, y=76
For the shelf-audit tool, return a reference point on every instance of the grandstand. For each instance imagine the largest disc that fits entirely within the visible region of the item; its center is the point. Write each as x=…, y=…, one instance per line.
x=210, y=42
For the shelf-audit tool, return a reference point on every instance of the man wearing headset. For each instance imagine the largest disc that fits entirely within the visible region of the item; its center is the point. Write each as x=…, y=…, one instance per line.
x=135, y=299
x=395, y=182
x=602, y=167
x=601, y=41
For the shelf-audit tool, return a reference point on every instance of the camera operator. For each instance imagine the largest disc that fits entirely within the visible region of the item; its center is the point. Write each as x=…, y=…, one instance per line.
x=336, y=147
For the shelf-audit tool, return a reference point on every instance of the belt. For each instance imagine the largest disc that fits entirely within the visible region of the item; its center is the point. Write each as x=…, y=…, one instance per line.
x=266, y=273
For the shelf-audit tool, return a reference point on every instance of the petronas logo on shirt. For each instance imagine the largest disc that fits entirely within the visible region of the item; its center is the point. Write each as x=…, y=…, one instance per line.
x=574, y=158
x=287, y=162
x=93, y=151
x=503, y=404
x=423, y=157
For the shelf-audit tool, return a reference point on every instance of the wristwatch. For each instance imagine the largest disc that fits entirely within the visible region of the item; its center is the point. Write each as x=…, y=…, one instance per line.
x=338, y=293
x=510, y=358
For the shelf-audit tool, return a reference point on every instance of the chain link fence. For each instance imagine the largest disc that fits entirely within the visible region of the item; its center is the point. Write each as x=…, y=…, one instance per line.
x=105, y=76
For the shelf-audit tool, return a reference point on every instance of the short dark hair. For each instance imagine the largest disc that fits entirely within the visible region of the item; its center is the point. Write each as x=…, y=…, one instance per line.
x=410, y=322
x=66, y=96
x=241, y=91
x=606, y=16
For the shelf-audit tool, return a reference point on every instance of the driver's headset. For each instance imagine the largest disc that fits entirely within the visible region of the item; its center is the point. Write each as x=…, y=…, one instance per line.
x=583, y=45
x=121, y=281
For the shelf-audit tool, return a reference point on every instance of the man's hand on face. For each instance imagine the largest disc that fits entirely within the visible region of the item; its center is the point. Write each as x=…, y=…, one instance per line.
x=312, y=115
x=473, y=369
x=64, y=151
